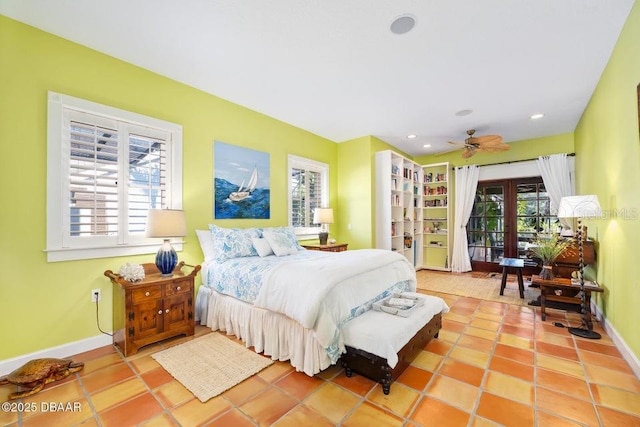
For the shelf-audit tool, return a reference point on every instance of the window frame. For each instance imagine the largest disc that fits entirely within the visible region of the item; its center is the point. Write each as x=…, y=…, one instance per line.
x=60, y=246
x=305, y=233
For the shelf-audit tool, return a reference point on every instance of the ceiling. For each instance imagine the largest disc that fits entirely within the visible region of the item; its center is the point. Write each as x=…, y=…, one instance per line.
x=334, y=68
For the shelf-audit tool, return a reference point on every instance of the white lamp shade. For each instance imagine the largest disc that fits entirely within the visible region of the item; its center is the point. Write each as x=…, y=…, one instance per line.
x=323, y=216
x=166, y=223
x=586, y=206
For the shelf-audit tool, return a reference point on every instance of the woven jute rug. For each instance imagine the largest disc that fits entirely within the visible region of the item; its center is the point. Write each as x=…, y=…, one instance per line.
x=470, y=285
x=211, y=364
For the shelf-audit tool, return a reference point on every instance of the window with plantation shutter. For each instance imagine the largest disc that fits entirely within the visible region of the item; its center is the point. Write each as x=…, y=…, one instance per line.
x=308, y=190
x=106, y=168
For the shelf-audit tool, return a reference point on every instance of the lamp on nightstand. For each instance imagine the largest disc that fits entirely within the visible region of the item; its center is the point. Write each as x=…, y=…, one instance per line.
x=581, y=207
x=166, y=223
x=323, y=216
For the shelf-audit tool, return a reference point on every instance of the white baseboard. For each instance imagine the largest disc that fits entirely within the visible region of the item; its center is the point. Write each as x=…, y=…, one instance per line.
x=620, y=343
x=61, y=351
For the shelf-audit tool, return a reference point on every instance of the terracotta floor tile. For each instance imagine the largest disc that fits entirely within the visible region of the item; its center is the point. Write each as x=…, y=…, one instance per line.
x=519, y=320
x=560, y=365
x=516, y=341
x=438, y=347
x=427, y=361
x=94, y=354
x=100, y=362
x=481, y=333
x=106, y=376
x=66, y=392
x=357, y=384
x=512, y=368
x=471, y=357
x=162, y=420
x=156, y=377
x=475, y=343
x=448, y=336
x=510, y=387
x=456, y=393
x=610, y=377
x=118, y=394
x=430, y=409
x=498, y=308
x=488, y=316
x=450, y=325
x=332, y=401
x=517, y=331
x=566, y=406
x=172, y=394
x=48, y=417
x=485, y=324
x=297, y=417
x=233, y=418
x=460, y=371
x=613, y=418
x=454, y=317
x=557, y=351
x=367, y=414
x=555, y=339
x=483, y=422
x=567, y=384
x=610, y=362
x=244, y=391
x=132, y=412
x=144, y=364
x=415, y=378
x=596, y=347
x=299, y=385
x=279, y=369
x=399, y=401
x=194, y=412
x=504, y=411
x=614, y=398
x=513, y=353
x=549, y=420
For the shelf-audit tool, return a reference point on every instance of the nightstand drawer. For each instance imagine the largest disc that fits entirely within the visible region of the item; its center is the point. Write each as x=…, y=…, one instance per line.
x=146, y=294
x=177, y=287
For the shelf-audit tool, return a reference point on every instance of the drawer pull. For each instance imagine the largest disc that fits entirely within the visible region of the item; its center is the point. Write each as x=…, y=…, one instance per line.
x=146, y=294
x=178, y=288
x=159, y=311
x=167, y=311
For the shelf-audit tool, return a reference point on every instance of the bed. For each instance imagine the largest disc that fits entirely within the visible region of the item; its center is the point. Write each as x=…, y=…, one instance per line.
x=287, y=302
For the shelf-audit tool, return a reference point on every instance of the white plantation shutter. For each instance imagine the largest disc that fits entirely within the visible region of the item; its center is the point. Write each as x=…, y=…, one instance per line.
x=308, y=190
x=106, y=169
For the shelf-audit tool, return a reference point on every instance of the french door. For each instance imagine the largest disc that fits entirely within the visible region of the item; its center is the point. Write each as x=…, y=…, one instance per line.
x=506, y=215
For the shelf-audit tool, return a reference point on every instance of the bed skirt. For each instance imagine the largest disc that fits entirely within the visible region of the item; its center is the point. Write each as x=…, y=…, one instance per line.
x=270, y=333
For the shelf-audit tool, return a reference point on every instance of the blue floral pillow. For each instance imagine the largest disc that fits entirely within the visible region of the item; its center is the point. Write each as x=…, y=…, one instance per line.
x=229, y=243
x=282, y=240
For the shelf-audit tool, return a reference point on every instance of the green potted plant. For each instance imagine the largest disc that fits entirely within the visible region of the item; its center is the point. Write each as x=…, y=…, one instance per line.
x=547, y=249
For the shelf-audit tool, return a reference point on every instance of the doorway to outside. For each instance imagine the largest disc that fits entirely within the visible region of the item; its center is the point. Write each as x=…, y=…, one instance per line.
x=506, y=216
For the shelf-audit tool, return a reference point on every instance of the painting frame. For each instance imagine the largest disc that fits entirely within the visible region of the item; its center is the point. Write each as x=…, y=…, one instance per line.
x=241, y=182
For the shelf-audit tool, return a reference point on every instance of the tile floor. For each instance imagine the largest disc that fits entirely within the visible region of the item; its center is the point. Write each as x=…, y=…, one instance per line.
x=493, y=364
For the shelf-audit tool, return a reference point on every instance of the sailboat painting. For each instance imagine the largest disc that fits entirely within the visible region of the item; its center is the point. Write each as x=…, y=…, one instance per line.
x=241, y=182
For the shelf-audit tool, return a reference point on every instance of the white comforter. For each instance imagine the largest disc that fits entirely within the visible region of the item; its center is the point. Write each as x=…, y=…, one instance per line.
x=323, y=294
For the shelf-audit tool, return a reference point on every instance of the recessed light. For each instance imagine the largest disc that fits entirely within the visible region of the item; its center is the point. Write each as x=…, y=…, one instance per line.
x=426, y=146
x=536, y=116
x=412, y=136
x=463, y=113
x=403, y=24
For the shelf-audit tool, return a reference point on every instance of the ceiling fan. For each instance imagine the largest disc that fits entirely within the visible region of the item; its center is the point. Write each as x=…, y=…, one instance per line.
x=485, y=143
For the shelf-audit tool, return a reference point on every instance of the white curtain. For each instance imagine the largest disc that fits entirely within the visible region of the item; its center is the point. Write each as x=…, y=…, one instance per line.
x=466, y=185
x=556, y=175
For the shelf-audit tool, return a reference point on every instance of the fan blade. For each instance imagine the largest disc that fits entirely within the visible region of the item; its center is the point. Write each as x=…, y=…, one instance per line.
x=448, y=151
x=487, y=140
x=468, y=153
x=495, y=148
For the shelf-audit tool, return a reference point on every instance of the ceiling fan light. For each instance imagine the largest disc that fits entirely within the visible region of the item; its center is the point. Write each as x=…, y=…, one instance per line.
x=426, y=146
x=462, y=113
x=411, y=136
x=536, y=116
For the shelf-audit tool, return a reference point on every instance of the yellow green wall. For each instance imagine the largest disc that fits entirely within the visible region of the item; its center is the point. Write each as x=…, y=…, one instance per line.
x=42, y=304
x=608, y=165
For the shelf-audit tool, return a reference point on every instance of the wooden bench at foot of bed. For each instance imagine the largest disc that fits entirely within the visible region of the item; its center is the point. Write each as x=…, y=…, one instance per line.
x=377, y=368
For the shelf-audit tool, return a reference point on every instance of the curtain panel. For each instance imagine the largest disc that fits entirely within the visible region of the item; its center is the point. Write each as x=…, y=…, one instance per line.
x=466, y=185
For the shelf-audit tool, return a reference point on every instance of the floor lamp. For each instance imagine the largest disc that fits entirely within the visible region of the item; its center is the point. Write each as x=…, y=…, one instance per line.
x=581, y=207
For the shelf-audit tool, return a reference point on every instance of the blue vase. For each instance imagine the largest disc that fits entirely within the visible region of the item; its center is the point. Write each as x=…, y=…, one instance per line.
x=166, y=258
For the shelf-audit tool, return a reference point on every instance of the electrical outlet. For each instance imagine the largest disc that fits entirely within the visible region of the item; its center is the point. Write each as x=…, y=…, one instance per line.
x=95, y=295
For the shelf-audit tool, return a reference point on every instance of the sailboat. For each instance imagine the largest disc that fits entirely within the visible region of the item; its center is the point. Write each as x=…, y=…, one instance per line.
x=244, y=192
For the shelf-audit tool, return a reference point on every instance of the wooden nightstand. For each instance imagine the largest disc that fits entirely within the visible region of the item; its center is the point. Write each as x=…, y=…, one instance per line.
x=154, y=309
x=331, y=247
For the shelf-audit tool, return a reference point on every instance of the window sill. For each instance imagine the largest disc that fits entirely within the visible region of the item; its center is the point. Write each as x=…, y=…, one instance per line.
x=72, y=254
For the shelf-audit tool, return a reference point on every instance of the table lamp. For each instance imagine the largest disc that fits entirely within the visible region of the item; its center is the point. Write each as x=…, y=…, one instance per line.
x=323, y=216
x=166, y=223
x=580, y=207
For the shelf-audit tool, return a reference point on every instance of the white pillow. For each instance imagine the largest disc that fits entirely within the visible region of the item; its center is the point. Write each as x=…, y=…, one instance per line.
x=282, y=240
x=229, y=243
x=262, y=246
x=206, y=244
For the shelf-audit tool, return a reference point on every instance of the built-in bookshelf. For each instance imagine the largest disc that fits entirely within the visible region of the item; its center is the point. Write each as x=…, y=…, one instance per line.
x=436, y=217
x=399, y=202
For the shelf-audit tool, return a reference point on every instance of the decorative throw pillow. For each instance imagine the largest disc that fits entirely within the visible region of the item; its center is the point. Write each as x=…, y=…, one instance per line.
x=262, y=246
x=282, y=240
x=229, y=243
x=206, y=244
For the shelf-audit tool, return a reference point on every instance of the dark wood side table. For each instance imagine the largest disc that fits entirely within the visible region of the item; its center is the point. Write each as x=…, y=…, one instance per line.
x=156, y=308
x=331, y=247
x=563, y=290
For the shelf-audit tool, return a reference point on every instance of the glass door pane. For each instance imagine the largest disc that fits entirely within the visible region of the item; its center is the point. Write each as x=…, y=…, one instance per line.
x=533, y=214
x=485, y=231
